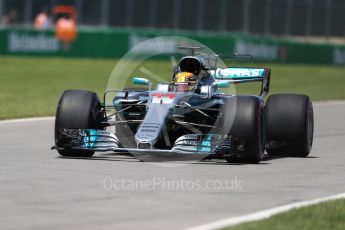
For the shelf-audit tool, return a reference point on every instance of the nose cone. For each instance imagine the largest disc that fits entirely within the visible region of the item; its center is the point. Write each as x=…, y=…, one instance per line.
x=150, y=129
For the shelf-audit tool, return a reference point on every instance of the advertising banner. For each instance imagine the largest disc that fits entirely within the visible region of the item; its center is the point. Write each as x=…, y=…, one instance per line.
x=114, y=43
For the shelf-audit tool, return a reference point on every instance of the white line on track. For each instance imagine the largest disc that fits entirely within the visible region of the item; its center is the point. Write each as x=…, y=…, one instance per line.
x=263, y=214
x=26, y=120
x=325, y=103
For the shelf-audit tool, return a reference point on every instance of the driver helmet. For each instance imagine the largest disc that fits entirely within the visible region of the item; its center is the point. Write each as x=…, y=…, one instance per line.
x=184, y=81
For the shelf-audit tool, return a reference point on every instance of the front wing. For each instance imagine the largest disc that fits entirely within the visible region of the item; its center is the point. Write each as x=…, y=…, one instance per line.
x=198, y=145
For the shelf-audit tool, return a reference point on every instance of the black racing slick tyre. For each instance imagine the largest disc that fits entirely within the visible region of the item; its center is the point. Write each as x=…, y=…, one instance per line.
x=289, y=125
x=245, y=117
x=77, y=109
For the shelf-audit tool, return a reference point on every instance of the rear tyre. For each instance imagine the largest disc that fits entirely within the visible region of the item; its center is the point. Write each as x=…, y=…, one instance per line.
x=77, y=109
x=289, y=125
x=245, y=116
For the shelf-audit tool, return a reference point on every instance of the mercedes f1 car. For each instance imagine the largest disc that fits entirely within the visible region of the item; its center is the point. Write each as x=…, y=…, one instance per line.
x=187, y=118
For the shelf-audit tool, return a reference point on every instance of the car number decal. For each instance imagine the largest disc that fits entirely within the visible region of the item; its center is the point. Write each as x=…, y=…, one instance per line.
x=163, y=98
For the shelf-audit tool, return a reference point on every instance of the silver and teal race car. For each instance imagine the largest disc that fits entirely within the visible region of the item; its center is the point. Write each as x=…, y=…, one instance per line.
x=187, y=118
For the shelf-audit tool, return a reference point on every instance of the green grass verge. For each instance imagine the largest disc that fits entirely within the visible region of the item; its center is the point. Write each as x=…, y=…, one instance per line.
x=326, y=215
x=32, y=86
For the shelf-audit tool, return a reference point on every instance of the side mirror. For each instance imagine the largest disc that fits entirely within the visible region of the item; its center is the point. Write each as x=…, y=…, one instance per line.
x=141, y=81
x=221, y=84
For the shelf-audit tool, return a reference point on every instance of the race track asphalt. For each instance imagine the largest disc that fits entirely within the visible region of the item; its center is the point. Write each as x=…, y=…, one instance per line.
x=40, y=190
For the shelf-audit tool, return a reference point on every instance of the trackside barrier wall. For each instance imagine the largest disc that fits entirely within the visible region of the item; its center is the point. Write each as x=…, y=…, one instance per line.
x=114, y=43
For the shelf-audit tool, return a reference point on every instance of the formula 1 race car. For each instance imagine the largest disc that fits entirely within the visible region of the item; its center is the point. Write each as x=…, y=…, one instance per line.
x=187, y=117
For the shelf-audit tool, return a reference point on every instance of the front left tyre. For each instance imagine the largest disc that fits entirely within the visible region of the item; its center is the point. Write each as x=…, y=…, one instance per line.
x=244, y=117
x=77, y=109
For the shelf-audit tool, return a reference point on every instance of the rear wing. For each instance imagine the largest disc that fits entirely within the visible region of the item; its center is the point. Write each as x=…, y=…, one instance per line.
x=236, y=75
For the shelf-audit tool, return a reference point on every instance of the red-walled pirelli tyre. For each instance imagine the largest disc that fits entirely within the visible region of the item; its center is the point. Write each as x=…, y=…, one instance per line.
x=77, y=109
x=245, y=115
x=289, y=125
